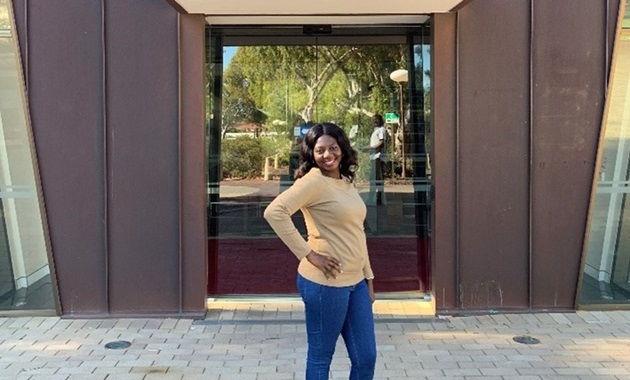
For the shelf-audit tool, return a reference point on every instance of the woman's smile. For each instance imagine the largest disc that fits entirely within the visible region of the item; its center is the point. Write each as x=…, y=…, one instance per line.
x=327, y=155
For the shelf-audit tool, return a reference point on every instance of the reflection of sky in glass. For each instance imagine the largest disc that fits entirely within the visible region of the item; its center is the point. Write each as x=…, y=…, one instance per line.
x=426, y=59
x=228, y=54
x=422, y=58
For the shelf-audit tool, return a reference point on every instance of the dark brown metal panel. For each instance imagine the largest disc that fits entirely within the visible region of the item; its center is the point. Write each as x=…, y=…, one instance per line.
x=193, y=177
x=493, y=137
x=569, y=75
x=444, y=160
x=66, y=104
x=143, y=172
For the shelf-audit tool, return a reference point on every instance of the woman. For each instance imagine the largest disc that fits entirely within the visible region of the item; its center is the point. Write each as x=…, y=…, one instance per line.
x=334, y=274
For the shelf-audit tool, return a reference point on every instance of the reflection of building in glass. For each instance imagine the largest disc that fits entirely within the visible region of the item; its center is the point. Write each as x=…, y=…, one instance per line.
x=25, y=280
x=606, y=278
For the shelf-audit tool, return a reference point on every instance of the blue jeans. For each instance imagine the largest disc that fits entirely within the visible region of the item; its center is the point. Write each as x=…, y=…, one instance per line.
x=331, y=311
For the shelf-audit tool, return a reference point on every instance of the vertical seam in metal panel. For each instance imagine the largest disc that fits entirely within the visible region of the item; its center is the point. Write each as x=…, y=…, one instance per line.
x=530, y=216
x=458, y=300
x=180, y=221
x=105, y=155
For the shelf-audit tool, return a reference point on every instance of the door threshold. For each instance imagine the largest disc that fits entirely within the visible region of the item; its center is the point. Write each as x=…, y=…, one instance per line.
x=388, y=306
x=257, y=298
x=410, y=296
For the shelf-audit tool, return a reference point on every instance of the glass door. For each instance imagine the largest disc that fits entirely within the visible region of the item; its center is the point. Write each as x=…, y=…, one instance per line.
x=266, y=91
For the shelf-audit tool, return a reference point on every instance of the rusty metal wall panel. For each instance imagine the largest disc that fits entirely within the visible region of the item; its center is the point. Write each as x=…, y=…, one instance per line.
x=112, y=155
x=569, y=55
x=192, y=163
x=66, y=104
x=493, y=138
x=142, y=139
x=444, y=109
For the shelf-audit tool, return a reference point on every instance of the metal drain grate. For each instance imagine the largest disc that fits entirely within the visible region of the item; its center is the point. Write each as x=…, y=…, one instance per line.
x=524, y=339
x=118, y=345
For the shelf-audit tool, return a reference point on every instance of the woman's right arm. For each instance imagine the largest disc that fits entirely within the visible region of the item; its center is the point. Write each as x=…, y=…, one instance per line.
x=278, y=214
x=303, y=193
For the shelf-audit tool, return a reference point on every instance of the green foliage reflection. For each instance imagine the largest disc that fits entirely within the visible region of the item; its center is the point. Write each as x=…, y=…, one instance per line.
x=269, y=90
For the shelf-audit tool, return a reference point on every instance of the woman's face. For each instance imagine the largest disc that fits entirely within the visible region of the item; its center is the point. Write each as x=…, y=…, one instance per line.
x=327, y=155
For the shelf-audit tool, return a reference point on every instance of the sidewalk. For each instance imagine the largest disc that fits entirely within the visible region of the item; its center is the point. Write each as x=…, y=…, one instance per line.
x=267, y=341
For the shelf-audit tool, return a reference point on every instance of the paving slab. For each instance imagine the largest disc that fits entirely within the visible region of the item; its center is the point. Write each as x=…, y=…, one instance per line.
x=258, y=340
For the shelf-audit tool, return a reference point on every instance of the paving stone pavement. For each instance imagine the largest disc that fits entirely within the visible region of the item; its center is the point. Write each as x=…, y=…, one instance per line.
x=267, y=341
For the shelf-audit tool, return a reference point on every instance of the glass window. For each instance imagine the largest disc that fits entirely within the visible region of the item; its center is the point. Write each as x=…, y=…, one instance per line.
x=25, y=280
x=606, y=278
x=266, y=94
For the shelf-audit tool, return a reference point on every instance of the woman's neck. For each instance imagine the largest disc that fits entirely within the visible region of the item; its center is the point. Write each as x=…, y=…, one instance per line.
x=334, y=175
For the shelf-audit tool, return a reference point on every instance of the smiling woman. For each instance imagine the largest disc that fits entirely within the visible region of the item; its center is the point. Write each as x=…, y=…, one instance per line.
x=335, y=277
x=328, y=156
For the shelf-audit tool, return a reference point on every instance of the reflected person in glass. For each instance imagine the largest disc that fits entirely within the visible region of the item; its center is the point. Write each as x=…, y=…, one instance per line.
x=334, y=273
x=378, y=160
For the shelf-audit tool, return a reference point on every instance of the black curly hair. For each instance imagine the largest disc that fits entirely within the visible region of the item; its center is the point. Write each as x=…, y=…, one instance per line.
x=349, y=160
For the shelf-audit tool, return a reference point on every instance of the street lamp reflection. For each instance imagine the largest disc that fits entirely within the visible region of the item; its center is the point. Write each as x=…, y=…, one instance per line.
x=400, y=76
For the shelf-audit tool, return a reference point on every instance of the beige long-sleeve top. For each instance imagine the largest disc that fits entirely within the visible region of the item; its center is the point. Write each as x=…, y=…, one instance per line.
x=334, y=214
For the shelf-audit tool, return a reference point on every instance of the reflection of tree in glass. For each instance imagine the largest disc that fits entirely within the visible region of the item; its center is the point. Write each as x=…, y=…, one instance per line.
x=294, y=83
x=287, y=86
